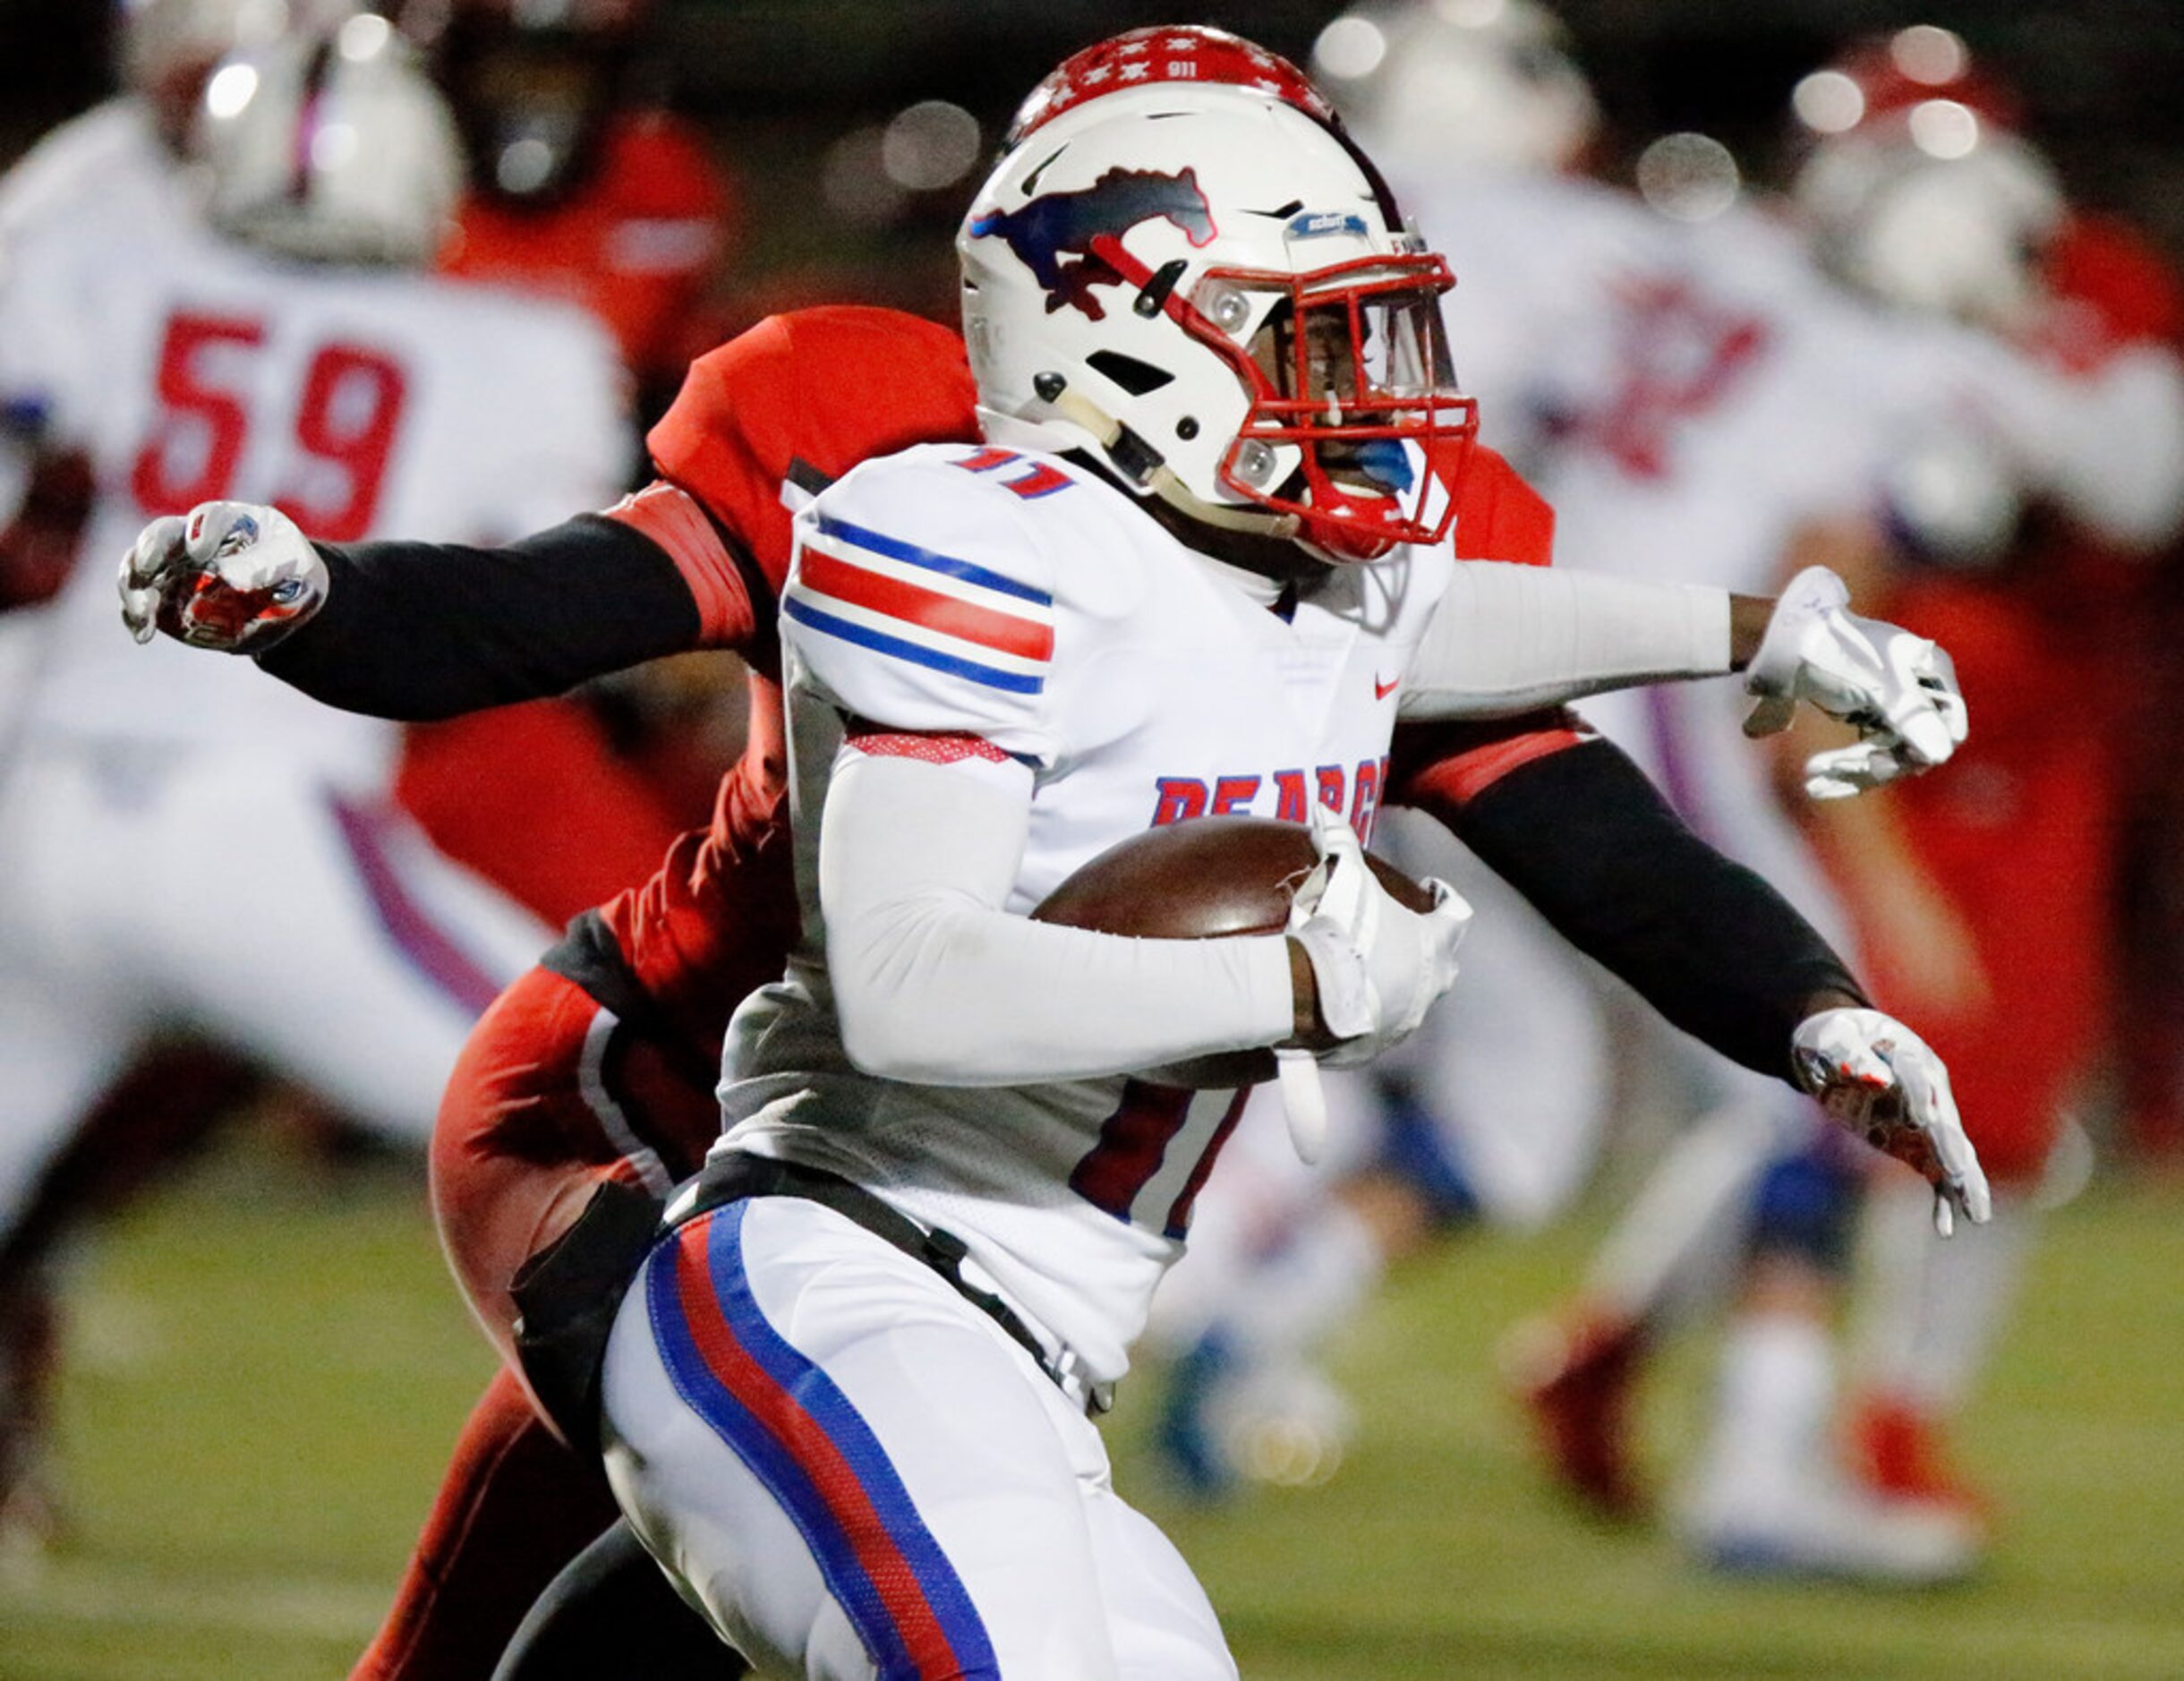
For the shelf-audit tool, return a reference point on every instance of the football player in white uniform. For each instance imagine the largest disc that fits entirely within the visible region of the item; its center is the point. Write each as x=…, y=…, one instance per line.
x=1697, y=399
x=1944, y=230
x=285, y=353
x=1195, y=568
x=1717, y=407
x=119, y=166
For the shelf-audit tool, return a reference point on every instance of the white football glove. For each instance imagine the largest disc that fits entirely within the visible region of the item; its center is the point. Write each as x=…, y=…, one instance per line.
x=1899, y=690
x=1882, y=1081
x=1378, y=965
x=231, y=576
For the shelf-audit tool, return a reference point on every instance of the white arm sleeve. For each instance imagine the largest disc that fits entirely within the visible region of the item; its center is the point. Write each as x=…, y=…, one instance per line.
x=934, y=982
x=1507, y=639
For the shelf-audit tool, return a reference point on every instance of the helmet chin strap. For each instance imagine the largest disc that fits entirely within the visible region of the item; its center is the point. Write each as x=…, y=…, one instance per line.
x=1173, y=491
x=1137, y=459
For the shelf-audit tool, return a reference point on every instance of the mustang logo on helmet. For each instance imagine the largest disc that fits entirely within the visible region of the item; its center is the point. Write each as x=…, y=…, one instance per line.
x=1058, y=225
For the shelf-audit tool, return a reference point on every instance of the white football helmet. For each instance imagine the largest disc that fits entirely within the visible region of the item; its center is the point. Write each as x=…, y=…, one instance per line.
x=1918, y=187
x=1954, y=230
x=1212, y=291
x=1459, y=83
x=332, y=146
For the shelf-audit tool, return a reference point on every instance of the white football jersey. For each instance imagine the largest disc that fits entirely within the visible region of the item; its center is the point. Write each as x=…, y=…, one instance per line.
x=365, y=403
x=1538, y=261
x=1015, y=597
x=1687, y=395
x=106, y=166
x=1697, y=394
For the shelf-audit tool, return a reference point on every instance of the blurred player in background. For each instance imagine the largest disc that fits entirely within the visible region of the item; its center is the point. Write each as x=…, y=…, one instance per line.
x=1922, y=203
x=580, y=191
x=1999, y=897
x=289, y=349
x=1694, y=397
x=472, y=788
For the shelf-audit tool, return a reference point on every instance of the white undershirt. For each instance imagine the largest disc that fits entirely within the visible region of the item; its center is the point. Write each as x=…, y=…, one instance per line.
x=1508, y=639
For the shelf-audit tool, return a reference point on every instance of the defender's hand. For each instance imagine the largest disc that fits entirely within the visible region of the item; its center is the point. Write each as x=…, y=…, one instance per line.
x=1899, y=690
x=1376, y=965
x=231, y=575
x=1882, y=1081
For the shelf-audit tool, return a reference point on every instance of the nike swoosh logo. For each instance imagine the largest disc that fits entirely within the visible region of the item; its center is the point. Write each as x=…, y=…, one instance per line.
x=1381, y=691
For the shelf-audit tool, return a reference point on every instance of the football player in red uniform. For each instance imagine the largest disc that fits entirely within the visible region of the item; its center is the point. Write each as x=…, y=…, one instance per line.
x=1990, y=904
x=577, y=193
x=574, y=191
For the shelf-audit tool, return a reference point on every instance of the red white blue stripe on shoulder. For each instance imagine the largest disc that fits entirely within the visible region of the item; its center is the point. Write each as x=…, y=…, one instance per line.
x=913, y=603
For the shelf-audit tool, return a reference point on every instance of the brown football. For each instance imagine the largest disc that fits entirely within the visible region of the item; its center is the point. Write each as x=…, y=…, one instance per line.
x=1207, y=879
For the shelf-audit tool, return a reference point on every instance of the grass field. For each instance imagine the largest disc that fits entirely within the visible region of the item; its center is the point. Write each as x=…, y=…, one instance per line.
x=265, y=1375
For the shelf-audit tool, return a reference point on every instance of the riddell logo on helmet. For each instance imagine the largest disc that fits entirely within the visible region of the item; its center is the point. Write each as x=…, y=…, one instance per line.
x=1048, y=230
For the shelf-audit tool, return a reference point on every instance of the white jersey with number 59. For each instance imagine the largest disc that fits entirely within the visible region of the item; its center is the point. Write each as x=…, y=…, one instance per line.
x=988, y=601
x=365, y=403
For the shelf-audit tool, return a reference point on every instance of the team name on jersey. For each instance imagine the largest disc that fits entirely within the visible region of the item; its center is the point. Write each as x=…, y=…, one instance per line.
x=1356, y=793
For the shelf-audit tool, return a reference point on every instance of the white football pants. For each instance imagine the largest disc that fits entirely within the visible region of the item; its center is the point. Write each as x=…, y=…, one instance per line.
x=242, y=901
x=855, y=1474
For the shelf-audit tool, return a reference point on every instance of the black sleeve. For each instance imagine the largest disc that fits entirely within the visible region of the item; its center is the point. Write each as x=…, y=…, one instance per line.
x=1588, y=839
x=419, y=630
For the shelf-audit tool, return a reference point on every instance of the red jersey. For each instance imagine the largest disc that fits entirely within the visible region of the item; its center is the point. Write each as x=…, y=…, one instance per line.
x=2018, y=833
x=800, y=396
x=637, y=245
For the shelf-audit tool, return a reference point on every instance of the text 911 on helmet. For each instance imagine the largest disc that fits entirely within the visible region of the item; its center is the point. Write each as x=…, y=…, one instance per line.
x=1212, y=286
x=1188, y=52
x=331, y=145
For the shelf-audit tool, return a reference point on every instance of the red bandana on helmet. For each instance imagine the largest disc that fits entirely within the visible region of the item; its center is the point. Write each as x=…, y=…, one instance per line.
x=1188, y=52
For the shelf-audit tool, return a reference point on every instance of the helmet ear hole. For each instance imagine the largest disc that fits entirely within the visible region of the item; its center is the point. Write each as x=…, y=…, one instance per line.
x=1135, y=377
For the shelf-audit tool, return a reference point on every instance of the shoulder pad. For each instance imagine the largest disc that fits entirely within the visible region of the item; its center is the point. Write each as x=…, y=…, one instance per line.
x=924, y=598
x=805, y=397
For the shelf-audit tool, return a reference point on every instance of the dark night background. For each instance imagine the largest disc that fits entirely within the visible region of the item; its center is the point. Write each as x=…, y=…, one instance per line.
x=778, y=81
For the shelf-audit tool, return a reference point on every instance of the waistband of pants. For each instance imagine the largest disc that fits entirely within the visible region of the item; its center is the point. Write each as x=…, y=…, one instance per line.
x=735, y=1175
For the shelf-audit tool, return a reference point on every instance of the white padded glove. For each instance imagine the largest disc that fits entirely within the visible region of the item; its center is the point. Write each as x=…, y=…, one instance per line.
x=1899, y=690
x=1881, y=1081
x=1378, y=965
x=233, y=577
